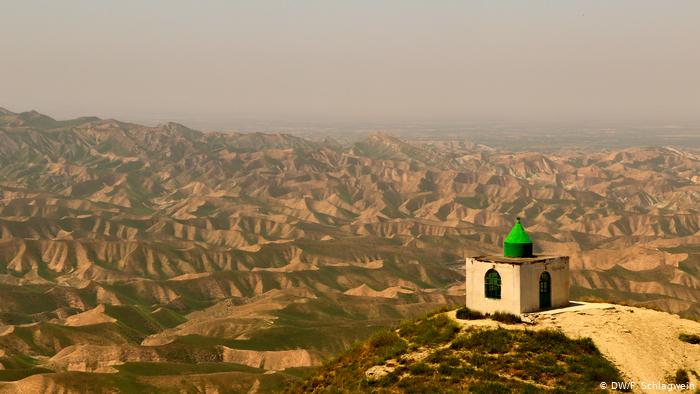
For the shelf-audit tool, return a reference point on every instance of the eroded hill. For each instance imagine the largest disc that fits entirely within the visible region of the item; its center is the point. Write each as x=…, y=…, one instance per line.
x=121, y=243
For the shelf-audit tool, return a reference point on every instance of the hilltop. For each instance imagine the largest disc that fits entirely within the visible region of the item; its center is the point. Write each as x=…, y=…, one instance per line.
x=645, y=344
x=567, y=350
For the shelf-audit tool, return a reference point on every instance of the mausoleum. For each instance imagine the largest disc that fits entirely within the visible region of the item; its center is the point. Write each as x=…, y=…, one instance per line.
x=519, y=281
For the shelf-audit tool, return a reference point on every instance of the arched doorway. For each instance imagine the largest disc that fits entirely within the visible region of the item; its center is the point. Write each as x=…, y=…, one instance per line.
x=545, y=290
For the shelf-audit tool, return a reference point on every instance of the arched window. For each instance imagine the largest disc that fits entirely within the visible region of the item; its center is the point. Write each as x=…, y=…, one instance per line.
x=492, y=284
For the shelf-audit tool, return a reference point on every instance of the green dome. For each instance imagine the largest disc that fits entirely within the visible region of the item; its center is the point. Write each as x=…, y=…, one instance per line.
x=517, y=243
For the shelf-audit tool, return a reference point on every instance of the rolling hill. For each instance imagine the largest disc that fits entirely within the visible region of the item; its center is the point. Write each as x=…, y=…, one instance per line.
x=123, y=244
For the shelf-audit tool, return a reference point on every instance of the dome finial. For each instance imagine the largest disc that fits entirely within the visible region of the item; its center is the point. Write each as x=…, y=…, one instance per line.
x=517, y=243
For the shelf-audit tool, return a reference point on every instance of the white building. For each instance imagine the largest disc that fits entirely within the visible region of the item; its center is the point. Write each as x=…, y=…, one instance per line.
x=518, y=281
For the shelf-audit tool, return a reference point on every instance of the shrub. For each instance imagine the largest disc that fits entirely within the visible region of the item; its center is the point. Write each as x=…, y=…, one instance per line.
x=431, y=331
x=453, y=361
x=444, y=369
x=598, y=369
x=442, y=309
x=438, y=356
x=586, y=345
x=465, y=313
x=542, y=368
x=489, y=388
x=420, y=384
x=478, y=360
x=545, y=359
x=387, y=380
x=507, y=318
x=383, y=338
x=456, y=373
x=386, y=344
x=420, y=369
x=547, y=341
x=690, y=338
x=681, y=377
x=488, y=341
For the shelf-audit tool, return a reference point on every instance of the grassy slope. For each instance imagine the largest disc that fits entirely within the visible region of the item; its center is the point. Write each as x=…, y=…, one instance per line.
x=473, y=360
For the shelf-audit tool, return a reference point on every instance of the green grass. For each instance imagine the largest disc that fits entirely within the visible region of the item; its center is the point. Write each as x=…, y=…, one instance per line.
x=9, y=375
x=488, y=341
x=18, y=361
x=429, y=331
x=100, y=382
x=465, y=313
x=507, y=318
x=478, y=360
x=29, y=299
x=170, y=368
x=387, y=344
x=475, y=202
x=168, y=318
x=134, y=317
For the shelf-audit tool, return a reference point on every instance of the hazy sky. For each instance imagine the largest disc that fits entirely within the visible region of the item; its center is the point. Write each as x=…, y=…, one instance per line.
x=364, y=60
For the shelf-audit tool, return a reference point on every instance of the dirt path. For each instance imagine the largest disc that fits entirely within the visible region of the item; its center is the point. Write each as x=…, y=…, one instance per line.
x=643, y=343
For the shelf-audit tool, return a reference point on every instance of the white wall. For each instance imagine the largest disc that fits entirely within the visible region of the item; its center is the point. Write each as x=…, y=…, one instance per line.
x=510, y=287
x=558, y=268
x=519, y=285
